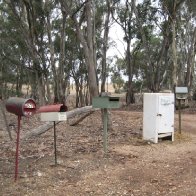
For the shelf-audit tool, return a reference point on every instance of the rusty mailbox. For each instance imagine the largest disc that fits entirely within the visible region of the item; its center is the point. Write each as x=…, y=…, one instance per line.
x=53, y=113
x=56, y=112
x=20, y=107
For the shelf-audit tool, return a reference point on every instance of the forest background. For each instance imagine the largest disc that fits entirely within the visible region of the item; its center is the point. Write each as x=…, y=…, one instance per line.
x=46, y=45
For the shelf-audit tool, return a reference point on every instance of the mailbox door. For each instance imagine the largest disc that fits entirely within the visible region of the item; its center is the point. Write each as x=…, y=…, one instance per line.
x=29, y=108
x=165, y=115
x=100, y=102
x=20, y=106
x=113, y=102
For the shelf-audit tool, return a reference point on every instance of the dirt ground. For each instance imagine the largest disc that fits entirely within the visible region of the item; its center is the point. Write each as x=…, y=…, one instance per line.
x=132, y=166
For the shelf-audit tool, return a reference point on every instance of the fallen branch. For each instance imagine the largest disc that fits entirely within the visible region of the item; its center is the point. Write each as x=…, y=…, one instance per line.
x=70, y=114
x=80, y=119
x=78, y=111
x=39, y=130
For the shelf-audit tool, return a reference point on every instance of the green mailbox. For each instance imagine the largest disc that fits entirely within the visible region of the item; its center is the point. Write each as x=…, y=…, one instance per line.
x=105, y=103
x=181, y=95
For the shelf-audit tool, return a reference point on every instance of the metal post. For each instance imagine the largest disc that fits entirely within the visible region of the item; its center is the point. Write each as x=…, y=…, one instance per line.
x=105, y=130
x=179, y=114
x=17, y=149
x=55, y=154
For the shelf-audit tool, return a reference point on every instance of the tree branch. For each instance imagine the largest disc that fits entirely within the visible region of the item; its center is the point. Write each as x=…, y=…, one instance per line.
x=79, y=8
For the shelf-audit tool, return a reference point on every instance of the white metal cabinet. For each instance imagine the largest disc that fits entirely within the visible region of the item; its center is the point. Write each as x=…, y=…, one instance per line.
x=158, y=116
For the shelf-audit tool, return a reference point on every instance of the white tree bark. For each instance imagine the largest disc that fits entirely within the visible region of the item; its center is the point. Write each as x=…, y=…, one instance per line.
x=86, y=42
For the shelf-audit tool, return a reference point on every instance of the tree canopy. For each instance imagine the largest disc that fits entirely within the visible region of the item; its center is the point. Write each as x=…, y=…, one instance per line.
x=46, y=44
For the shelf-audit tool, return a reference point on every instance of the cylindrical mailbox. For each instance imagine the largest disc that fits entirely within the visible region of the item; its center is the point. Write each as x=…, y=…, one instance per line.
x=52, y=108
x=20, y=106
x=55, y=112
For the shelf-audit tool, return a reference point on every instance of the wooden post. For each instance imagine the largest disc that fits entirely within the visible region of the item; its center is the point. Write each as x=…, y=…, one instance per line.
x=105, y=130
x=55, y=153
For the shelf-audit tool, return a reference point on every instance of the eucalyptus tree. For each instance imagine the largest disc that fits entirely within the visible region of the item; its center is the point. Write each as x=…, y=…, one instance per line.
x=162, y=29
x=191, y=64
x=137, y=21
x=107, y=21
x=81, y=13
x=45, y=28
x=171, y=8
x=118, y=70
x=28, y=22
x=42, y=28
x=123, y=15
x=12, y=55
x=151, y=40
x=187, y=43
x=78, y=68
x=58, y=42
x=180, y=22
x=79, y=74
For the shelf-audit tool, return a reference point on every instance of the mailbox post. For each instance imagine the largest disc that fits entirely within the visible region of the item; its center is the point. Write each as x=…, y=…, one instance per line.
x=53, y=113
x=20, y=107
x=105, y=103
x=181, y=94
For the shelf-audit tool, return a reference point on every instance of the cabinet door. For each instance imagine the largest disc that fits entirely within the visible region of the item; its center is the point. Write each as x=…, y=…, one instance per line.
x=165, y=114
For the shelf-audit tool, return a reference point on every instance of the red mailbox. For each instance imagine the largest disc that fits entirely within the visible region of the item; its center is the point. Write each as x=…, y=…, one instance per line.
x=56, y=112
x=20, y=106
x=52, y=108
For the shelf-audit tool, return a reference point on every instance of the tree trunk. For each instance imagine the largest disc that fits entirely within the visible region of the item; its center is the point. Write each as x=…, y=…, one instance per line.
x=62, y=75
x=89, y=52
x=19, y=81
x=81, y=95
x=5, y=120
x=190, y=61
x=87, y=43
x=174, y=55
x=52, y=62
x=150, y=72
x=104, y=48
x=159, y=77
x=49, y=99
x=130, y=94
x=41, y=89
x=165, y=56
x=77, y=93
